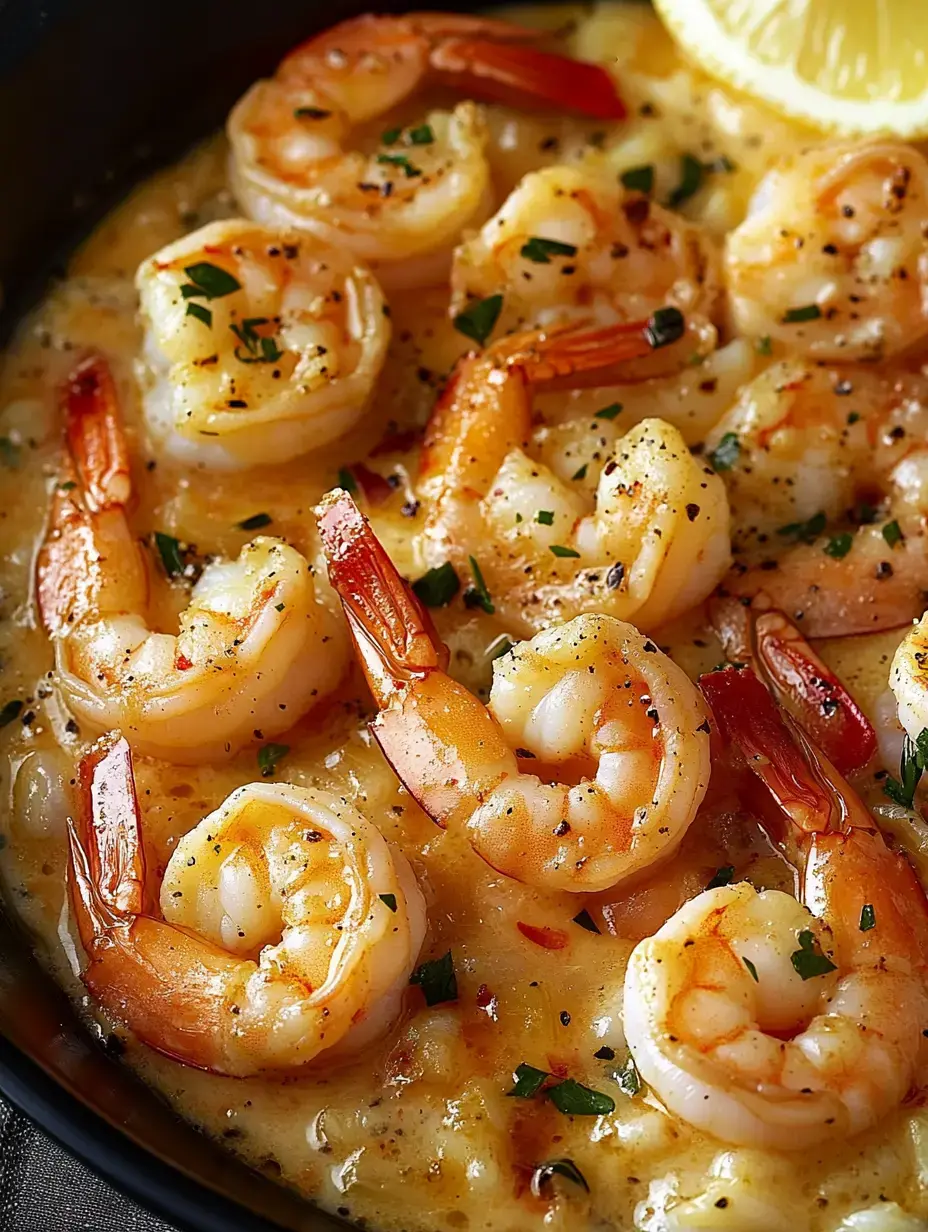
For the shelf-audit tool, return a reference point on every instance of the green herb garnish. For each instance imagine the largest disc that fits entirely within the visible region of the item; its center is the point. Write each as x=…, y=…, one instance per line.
x=867, y=918
x=311, y=113
x=638, y=179
x=628, y=1078
x=580, y=473
x=268, y=757
x=585, y=920
x=665, y=326
x=808, y=312
x=804, y=532
x=388, y=900
x=477, y=321
x=541, y=250
x=422, y=135
x=400, y=160
x=259, y=350
x=545, y=517
x=609, y=412
x=912, y=765
x=809, y=961
x=763, y=345
x=724, y=456
x=558, y=549
x=346, y=480
x=723, y=876
x=558, y=1167
x=437, y=980
x=892, y=533
x=751, y=968
x=839, y=546
x=527, y=1081
x=691, y=170
x=201, y=313
x=437, y=587
x=11, y=710
x=209, y=281
x=574, y=1099
x=170, y=553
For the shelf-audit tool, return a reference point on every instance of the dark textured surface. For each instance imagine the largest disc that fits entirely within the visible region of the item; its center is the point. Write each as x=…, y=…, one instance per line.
x=43, y=1189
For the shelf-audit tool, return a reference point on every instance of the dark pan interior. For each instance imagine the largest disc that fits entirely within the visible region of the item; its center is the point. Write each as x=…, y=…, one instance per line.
x=94, y=94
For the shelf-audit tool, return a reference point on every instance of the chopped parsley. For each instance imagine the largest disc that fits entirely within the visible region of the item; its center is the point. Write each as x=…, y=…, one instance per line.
x=665, y=326
x=839, y=546
x=390, y=136
x=585, y=920
x=437, y=980
x=527, y=1081
x=892, y=533
x=763, y=345
x=609, y=412
x=388, y=900
x=201, y=313
x=255, y=522
x=581, y=471
x=541, y=251
x=477, y=321
x=691, y=170
x=912, y=765
x=311, y=113
x=808, y=312
x=170, y=552
x=11, y=710
x=804, y=532
x=724, y=456
x=437, y=587
x=346, y=480
x=478, y=595
x=809, y=961
x=545, y=517
x=723, y=876
x=751, y=968
x=558, y=549
x=268, y=757
x=258, y=350
x=574, y=1099
x=421, y=135
x=208, y=281
x=638, y=179
x=410, y=170
x=867, y=918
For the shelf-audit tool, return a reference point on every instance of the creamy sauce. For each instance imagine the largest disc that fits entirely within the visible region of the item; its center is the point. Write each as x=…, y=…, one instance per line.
x=419, y=1131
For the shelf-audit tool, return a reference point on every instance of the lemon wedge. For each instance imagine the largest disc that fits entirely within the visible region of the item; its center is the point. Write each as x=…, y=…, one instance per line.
x=848, y=66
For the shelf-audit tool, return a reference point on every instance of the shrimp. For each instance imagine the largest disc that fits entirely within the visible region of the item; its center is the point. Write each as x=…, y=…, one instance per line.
x=827, y=479
x=256, y=648
x=908, y=679
x=260, y=345
x=771, y=1023
x=832, y=259
x=644, y=535
x=399, y=202
x=289, y=925
x=764, y=639
x=614, y=733
x=568, y=244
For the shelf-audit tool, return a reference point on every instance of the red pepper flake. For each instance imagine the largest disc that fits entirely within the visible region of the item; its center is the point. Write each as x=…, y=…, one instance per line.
x=547, y=938
x=374, y=487
x=182, y=663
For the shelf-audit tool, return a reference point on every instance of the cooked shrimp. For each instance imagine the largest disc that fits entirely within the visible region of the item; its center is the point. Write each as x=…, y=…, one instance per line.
x=568, y=244
x=256, y=648
x=832, y=259
x=613, y=732
x=835, y=463
x=260, y=345
x=644, y=533
x=778, y=1025
x=400, y=201
x=289, y=928
x=908, y=679
x=763, y=638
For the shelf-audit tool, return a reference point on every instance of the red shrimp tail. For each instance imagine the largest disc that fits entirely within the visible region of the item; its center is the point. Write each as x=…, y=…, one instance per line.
x=106, y=872
x=505, y=72
x=805, y=786
x=765, y=639
x=94, y=433
x=392, y=632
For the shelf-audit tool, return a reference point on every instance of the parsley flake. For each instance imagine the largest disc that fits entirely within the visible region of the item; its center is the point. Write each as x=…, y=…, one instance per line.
x=804, y=532
x=638, y=179
x=400, y=160
x=477, y=321
x=609, y=412
x=527, y=1081
x=541, y=251
x=665, y=326
x=422, y=135
x=763, y=345
x=574, y=1099
x=867, y=917
x=724, y=456
x=346, y=480
x=311, y=113
x=809, y=961
x=255, y=522
x=438, y=586
x=585, y=920
x=751, y=968
x=478, y=595
x=808, y=312
x=558, y=549
x=580, y=473
x=691, y=170
x=839, y=546
x=892, y=533
x=170, y=552
x=545, y=517
x=723, y=876
x=557, y=1167
x=201, y=313
x=388, y=900
x=437, y=980
x=268, y=757
x=258, y=349
x=208, y=280
x=628, y=1078
x=912, y=765
x=11, y=710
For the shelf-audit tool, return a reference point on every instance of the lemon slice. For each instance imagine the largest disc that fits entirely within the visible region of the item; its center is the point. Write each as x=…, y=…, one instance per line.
x=851, y=66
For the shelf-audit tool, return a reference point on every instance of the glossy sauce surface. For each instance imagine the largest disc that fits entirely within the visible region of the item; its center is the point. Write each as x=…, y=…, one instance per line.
x=419, y=1132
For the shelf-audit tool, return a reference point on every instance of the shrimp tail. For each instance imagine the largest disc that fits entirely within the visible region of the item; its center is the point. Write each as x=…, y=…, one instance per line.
x=393, y=633
x=764, y=638
x=572, y=351
x=503, y=72
x=95, y=436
